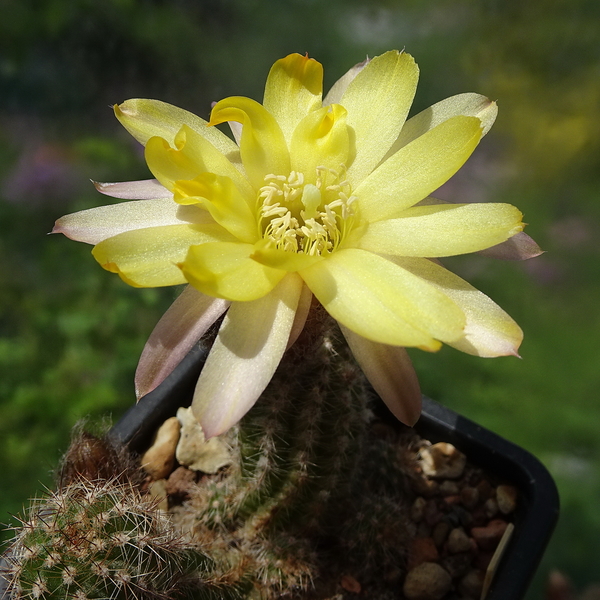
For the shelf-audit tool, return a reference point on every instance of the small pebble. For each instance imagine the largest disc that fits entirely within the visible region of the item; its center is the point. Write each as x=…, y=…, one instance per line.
x=491, y=507
x=506, y=496
x=469, y=496
x=431, y=513
x=449, y=488
x=457, y=564
x=425, y=487
x=442, y=460
x=157, y=490
x=488, y=537
x=350, y=584
x=485, y=489
x=417, y=509
x=428, y=581
x=459, y=541
x=194, y=451
x=422, y=550
x=440, y=533
x=159, y=459
x=471, y=584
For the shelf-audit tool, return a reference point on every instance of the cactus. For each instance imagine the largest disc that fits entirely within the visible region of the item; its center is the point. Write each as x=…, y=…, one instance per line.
x=104, y=539
x=312, y=495
x=312, y=490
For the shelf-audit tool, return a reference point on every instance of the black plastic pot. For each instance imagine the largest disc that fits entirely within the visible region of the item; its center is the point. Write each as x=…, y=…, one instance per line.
x=538, y=505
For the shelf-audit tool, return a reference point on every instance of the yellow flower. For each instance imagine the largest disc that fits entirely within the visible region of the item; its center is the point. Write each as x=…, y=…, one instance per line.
x=318, y=197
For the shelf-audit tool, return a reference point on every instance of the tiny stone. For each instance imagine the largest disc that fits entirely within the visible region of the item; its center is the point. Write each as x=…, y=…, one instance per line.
x=449, y=488
x=440, y=533
x=459, y=541
x=471, y=584
x=194, y=451
x=350, y=584
x=457, y=564
x=506, y=496
x=491, y=508
x=428, y=581
x=159, y=459
x=417, y=509
x=425, y=487
x=488, y=537
x=485, y=489
x=423, y=530
x=442, y=460
x=469, y=496
x=422, y=550
x=431, y=513
x=158, y=491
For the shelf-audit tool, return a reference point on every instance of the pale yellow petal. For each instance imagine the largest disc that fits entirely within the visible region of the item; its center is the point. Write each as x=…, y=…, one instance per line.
x=149, y=257
x=443, y=230
x=266, y=254
x=248, y=348
x=383, y=302
x=97, y=224
x=145, y=119
x=263, y=146
x=467, y=105
x=334, y=95
x=223, y=201
x=322, y=139
x=189, y=156
x=390, y=372
x=489, y=331
x=293, y=89
x=225, y=270
x=417, y=169
x=378, y=100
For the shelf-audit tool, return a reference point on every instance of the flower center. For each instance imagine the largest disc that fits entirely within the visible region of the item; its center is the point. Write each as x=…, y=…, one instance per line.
x=306, y=218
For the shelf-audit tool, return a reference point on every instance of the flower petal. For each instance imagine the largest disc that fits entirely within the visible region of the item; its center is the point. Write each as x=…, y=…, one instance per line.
x=267, y=254
x=443, y=230
x=94, y=225
x=378, y=100
x=263, y=146
x=191, y=155
x=147, y=189
x=467, y=105
x=417, y=169
x=304, y=304
x=223, y=201
x=149, y=257
x=293, y=89
x=518, y=247
x=225, y=270
x=489, y=331
x=391, y=373
x=334, y=96
x=321, y=140
x=145, y=119
x=382, y=302
x=250, y=344
x=178, y=330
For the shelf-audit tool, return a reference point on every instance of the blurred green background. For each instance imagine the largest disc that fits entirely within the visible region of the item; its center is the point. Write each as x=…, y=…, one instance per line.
x=71, y=333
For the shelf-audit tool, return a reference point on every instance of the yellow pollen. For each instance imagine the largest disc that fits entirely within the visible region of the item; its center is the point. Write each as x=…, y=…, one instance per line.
x=306, y=218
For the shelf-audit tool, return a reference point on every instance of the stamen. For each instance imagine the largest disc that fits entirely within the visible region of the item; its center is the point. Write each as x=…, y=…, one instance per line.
x=309, y=219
